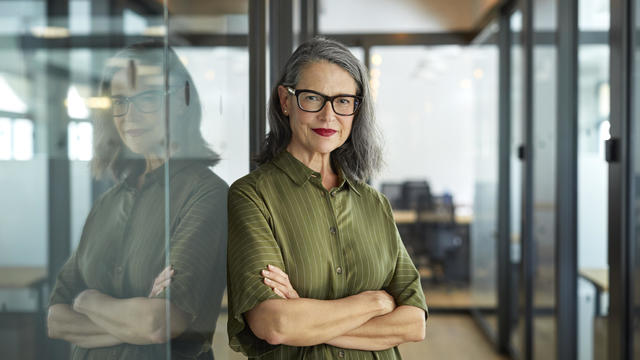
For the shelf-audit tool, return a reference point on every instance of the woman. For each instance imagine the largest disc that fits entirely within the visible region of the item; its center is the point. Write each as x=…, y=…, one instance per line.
x=106, y=301
x=316, y=268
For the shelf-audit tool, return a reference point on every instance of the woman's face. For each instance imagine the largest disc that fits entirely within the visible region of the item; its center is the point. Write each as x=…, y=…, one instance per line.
x=323, y=131
x=139, y=123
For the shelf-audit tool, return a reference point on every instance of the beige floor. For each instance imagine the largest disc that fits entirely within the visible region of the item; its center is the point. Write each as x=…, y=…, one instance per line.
x=448, y=337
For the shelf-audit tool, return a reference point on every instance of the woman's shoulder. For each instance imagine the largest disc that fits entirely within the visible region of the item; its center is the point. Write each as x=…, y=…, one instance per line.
x=253, y=181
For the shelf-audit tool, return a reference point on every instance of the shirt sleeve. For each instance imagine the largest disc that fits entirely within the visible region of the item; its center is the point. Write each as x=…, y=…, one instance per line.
x=197, y=249
x=252, y=246
x=69, y=283
x=405, y=286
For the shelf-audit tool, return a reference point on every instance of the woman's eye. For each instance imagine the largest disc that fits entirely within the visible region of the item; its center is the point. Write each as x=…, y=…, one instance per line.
x=311, y=98
x=345, y=101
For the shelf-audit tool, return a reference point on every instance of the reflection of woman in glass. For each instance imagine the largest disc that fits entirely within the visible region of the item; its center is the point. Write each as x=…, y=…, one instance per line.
x=116, y=297
x=316, y=268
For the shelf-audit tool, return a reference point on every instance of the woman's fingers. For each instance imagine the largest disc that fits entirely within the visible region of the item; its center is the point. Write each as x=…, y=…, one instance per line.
x=276, y=278
x=277, y=270
x=279, y=293
x=279, y=289
x=162, y=281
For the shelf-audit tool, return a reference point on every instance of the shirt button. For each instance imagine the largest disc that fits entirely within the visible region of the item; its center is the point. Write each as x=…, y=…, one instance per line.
x=333, y=193
x=341, y=353
x=339, y=270
x=332, y=229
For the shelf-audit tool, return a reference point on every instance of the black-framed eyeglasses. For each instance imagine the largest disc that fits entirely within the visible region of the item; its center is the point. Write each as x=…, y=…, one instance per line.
x=313, y=101
x=148, y=101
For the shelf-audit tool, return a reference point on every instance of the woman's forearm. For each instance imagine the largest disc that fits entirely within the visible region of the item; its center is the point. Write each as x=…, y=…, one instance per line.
x=404, y=324
x=138, y=321
x=66, y=324
x=307, y=322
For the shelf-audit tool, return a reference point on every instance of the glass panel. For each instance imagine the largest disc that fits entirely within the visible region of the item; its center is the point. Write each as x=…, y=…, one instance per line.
x=104, y=201
x=446, y=90
x=515, y=183
x=544, y=169
x=593, y=130
x=484, y=282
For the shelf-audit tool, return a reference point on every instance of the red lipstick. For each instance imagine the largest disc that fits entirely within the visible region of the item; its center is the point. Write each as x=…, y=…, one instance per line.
x=324, y=132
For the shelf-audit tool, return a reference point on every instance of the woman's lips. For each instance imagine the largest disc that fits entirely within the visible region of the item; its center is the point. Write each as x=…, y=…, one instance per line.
x=324, y=132
x=135, y=132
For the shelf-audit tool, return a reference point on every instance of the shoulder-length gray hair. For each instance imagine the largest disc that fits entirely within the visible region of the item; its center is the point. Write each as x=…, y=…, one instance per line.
x=360, y=157
x=110, y=154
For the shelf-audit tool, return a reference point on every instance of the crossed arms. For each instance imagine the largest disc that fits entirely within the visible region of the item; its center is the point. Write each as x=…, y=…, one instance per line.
x=367, y=321
x=98, y=320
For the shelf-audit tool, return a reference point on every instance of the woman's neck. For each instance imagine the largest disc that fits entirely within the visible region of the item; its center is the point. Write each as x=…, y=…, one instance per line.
x=152, y=163
x=319, y=162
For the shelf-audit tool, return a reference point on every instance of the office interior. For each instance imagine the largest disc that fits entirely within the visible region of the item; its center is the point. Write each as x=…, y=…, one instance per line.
x=510, y=149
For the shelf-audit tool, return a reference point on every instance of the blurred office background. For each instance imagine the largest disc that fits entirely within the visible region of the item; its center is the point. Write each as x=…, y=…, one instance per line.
x=496, y=117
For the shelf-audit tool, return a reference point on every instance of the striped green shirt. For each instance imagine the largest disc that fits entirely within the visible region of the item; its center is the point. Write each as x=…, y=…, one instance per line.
x=332, y=244
x=122, y=250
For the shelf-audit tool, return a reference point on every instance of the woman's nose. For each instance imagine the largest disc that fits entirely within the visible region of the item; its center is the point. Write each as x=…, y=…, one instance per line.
x=327, y=113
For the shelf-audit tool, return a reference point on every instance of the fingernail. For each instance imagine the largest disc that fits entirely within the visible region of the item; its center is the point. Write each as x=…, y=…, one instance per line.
x=270, y=267
x=266, y=272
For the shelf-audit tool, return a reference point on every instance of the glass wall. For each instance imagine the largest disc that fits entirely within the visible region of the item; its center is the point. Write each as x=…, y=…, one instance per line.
x=515, y=184
x=593, y=130
x=543, y=184
x=445, y=185
x=118, y=139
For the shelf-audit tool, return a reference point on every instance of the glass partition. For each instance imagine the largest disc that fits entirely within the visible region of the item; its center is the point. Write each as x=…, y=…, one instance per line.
x=118, y=140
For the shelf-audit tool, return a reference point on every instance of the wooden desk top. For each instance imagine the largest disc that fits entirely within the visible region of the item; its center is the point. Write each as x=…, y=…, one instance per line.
x=411, y=216
x=20, y=276
x=599, y=277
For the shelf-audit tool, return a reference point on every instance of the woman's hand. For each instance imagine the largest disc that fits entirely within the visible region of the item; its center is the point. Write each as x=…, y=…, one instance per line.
x=279, y=282
x=162, y=281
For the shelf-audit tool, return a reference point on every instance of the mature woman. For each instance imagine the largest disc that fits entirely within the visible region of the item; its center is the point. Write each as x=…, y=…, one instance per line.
x=316, y=268
x=112, y=297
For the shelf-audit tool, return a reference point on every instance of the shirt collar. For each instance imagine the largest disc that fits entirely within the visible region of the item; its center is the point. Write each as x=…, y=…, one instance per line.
x=157, y=175
x=300, y=173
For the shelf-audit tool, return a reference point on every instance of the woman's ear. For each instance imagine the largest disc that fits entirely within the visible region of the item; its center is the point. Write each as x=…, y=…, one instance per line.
x=283, y=96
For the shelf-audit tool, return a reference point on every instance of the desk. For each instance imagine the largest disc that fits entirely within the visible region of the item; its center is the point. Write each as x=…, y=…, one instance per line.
x=18, y=277
x=600, y=280
x=23, y=331
x=411, y=216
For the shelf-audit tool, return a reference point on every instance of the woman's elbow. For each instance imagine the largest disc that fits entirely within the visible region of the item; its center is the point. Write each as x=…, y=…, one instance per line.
x=268, y=325
x=418, y=331
x=53, y=327
x=157, y=330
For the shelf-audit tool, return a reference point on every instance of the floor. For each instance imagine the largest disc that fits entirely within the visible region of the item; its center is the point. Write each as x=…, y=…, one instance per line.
x=448, y=337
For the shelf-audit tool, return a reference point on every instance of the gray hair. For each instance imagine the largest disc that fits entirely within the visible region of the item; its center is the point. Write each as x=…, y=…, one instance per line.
x=110, y=153
x=360, y=157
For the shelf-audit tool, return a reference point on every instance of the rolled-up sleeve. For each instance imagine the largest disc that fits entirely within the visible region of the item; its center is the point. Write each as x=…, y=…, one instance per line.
x=252, y=246
x=197, y=250
x=405, y=286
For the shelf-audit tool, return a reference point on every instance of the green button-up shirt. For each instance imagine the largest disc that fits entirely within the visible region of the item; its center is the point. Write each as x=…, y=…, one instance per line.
x=332, y=244
x=122, y=250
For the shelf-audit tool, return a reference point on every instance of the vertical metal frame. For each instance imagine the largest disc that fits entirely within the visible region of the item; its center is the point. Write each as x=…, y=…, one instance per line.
x=566, y=244
x=280, y=37
x=308, y=19
x=504, y=179
x=621, y=195
x=257, y=77
x=59, y=179
x=527, y=241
